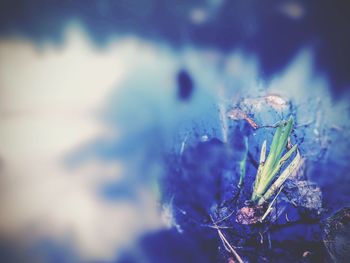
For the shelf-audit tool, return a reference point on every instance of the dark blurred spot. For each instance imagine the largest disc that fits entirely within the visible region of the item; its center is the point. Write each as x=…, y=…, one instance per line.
x=184, y=85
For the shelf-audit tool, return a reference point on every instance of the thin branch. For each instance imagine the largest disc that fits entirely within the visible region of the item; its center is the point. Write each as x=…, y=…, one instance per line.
x=224, y=218
x=227, y=244
x=269, y=209
x=216, y=227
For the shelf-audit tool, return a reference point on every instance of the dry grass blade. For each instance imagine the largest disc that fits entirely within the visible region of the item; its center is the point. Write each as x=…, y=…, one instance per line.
x=281, y=179
x=260, y=168
x=227, y=244
x=269, y=209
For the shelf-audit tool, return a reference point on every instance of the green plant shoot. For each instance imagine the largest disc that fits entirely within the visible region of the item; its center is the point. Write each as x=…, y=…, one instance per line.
x=270, y=166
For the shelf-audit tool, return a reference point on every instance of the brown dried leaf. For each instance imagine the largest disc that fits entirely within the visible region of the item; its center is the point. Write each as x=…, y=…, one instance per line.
x=248, y=215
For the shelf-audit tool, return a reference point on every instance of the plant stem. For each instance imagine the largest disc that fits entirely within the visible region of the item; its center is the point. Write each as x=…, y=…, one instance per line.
x=268, y=171
x=242, y=163
x=281, y=179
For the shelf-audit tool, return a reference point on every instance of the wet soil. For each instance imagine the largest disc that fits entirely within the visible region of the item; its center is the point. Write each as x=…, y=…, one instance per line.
x=201, y=186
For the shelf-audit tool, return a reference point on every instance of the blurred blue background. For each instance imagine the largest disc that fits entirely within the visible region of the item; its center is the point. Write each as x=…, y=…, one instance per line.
x=96, y=95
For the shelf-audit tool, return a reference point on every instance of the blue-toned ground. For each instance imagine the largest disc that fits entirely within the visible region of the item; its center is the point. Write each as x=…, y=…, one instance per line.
x=116, y=140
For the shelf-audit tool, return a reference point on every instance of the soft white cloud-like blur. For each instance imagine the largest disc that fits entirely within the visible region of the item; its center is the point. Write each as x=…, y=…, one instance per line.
x=49, y=101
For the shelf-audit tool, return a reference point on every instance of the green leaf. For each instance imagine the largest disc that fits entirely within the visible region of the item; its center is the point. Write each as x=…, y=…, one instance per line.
x=267, y=171
x=243, y=162
x=281, y=179
x=272, y=154
x=260, y=168
x=283, y=139
x=281, y=162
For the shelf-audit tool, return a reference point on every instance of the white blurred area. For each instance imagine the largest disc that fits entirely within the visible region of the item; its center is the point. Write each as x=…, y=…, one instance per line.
x=49, y=99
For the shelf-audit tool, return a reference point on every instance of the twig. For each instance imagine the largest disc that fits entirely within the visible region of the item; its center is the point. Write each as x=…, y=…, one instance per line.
x=227, y=244
x=270, y=126
x=269, y=239
x=304, y=124
x=224, y=218
x=215, y=227
x=287, y=218
x=252, y=160
x=261, y=238
x=269, y=209
x=183, y=146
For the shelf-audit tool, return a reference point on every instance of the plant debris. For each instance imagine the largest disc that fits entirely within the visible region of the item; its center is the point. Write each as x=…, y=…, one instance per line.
x=248, y=215
x=336, y=235
x=276, y=101
x=305, y=195
x=270, y=166
x=227, y=244
x=238, y=114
